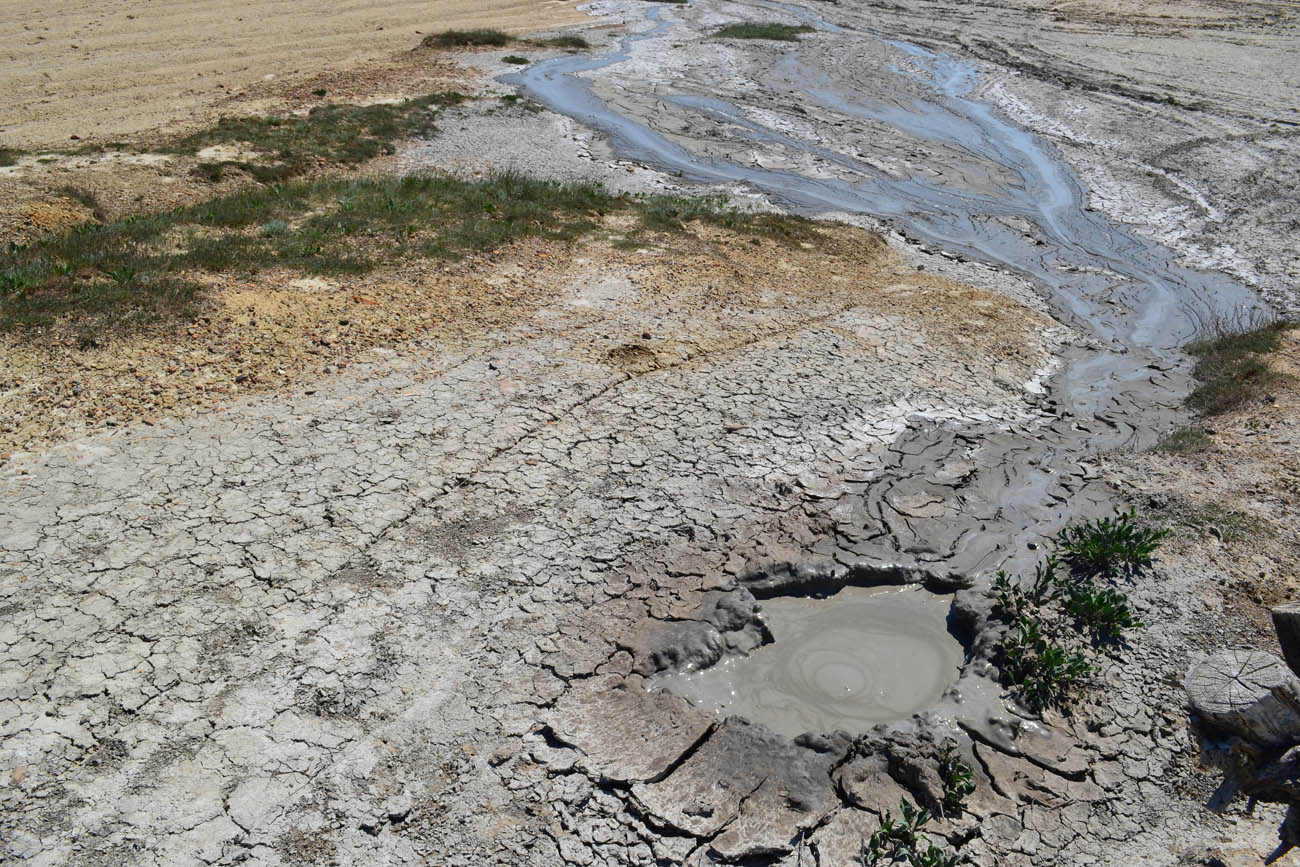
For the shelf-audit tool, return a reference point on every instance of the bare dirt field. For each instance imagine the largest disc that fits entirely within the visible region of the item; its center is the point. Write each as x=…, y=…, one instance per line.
x=99, y=71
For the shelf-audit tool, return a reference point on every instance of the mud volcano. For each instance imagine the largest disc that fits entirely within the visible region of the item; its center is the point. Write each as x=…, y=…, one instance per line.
x=846, y=662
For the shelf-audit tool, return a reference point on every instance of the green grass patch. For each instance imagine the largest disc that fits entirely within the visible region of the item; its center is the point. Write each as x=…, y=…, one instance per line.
x=516, y=60
x=1230, y=366
x=1185, y=440
x=781, y=32
x=10, y=156
x=141, y=268
x=341, y=134
x=575, y=43
x=467, y=38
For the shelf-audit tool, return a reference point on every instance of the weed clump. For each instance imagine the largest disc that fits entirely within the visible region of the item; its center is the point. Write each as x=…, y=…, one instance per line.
x=1054, y=622
x=904, y=841
x=1230, y=365
x=516, y=60
x=958, y=780
x=576, y=43
x=465, y=38
x=1045, y=672
x=748, y=30
x=1102, y=611
x=9, y=156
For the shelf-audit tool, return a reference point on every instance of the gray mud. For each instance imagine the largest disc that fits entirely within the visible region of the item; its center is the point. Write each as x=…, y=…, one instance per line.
x=409, y=617
x=847, y=662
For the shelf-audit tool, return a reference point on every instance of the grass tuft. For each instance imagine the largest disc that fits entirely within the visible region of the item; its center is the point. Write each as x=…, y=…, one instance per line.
x=1230, y=367
x=515, y=59
x=751, y=30
x=462, y=38
x=9, y=156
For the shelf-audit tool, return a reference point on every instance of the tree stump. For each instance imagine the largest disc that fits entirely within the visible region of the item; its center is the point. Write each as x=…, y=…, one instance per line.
x=1286, y=622
x=1249, y=694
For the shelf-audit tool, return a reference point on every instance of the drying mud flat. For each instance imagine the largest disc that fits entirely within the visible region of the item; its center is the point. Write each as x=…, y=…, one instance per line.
x=678, y=548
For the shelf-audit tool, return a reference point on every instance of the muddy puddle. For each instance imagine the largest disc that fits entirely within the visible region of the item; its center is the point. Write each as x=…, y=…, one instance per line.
x=861, y=657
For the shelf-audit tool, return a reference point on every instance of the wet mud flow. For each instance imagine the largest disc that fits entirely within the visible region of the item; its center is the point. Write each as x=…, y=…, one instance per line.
x=1007, y=199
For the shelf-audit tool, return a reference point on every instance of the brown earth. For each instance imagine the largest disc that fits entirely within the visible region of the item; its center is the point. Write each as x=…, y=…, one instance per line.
x=101, y=71
x=276, y=330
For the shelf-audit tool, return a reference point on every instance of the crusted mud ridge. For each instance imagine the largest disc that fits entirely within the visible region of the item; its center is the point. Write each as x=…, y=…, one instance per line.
x=419, y=613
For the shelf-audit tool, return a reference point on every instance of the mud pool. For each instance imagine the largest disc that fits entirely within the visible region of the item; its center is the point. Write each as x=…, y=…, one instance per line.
x=846, y=662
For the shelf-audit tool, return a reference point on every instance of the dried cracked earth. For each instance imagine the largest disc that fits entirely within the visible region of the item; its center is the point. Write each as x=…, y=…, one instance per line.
x=408, y=614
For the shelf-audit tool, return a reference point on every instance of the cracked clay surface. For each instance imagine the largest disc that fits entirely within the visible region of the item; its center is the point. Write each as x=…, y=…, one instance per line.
x=409, y=617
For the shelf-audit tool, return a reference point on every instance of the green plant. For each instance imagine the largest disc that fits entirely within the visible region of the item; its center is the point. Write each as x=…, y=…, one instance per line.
x=1185, y=440
x=290, y=146
x=461, y=38
x=753, y=30
x=1230, y=367
x=1044, y=672
x=515, y=59
x=9, y=156
x=574, y=42
x=1108, y=545
x=958, y=780
x=904, y=842
x=1015, y=600
x=1104, y=612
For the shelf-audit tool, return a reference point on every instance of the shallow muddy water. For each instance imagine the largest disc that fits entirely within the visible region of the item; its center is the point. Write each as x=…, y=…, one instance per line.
x=860, y=657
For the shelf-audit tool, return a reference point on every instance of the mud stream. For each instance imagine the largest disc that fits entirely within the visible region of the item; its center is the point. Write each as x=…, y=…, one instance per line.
x=1001, y=196
x=1131, y=301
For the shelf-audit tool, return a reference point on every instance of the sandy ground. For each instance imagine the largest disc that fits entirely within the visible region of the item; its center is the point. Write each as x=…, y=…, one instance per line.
x=103, y=70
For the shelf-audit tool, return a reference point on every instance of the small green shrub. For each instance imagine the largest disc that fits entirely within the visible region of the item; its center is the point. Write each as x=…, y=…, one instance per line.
x=1109, y=545
x=1104, y=612
x=463, y=38
x=9, y=156
x=749, y=30
x=958, y=780
x=516, y=60
x=1016, y=601
x=1044, y=672
x=904, y=842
